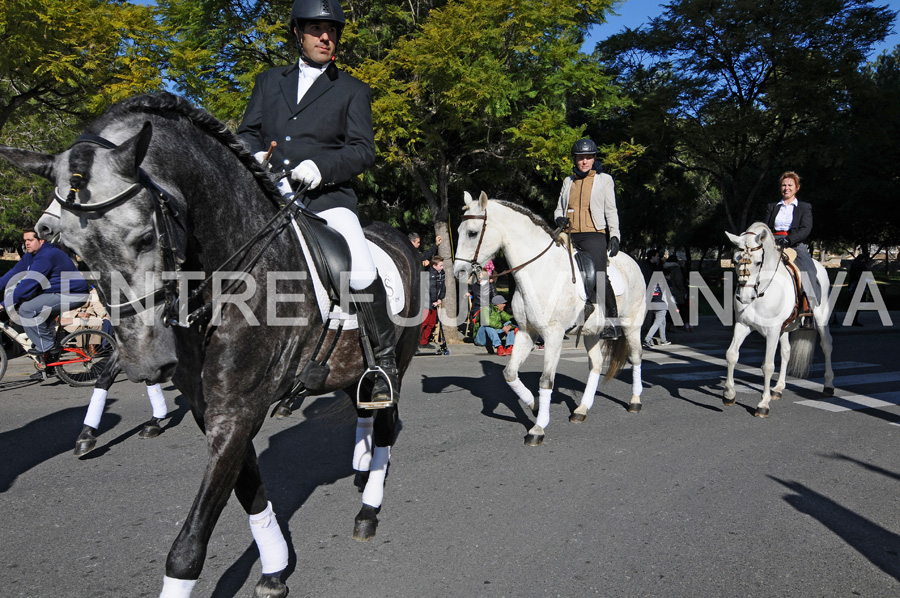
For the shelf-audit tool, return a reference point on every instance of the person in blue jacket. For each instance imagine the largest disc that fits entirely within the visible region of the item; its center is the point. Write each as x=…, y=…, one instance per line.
x=42, y=285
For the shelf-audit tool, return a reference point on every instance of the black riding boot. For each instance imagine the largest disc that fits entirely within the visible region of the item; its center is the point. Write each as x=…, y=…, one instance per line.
x=375, y=316
x=611, y=331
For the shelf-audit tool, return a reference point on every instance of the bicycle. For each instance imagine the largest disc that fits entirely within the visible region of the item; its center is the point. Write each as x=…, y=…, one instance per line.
x=83, y=353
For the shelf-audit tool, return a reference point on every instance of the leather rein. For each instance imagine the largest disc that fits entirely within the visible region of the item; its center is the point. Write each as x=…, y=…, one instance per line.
x=474, y=261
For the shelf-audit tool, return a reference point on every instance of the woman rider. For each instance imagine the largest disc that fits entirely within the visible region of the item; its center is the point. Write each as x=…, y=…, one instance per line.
x=587, y=203
x=321, y=118
x=791, y=221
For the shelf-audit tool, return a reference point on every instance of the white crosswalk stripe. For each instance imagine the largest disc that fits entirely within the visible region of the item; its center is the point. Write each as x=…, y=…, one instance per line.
x=670, y=363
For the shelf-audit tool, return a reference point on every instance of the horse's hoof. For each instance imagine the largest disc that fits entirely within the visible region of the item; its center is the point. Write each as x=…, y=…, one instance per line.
x=579, y=415
x=761, y=412
x=270, y=586
x=535, y=407
x=634, y=407
x=828, y=391
x=360, y=480
x=151, y=429
x=728, y=402
x=366, y=523
x=283, y=411
x=86, y=442
x=534, y=439
x=776, y=396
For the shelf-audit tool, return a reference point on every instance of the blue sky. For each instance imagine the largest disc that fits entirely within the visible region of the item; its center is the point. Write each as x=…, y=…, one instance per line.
x=634, y=13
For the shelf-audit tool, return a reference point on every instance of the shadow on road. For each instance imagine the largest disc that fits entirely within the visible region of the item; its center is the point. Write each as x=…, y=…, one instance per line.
x=880, y=546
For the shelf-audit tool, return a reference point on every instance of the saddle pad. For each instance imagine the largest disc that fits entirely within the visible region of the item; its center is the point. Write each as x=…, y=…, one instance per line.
x=616, y=278
x=387, y=271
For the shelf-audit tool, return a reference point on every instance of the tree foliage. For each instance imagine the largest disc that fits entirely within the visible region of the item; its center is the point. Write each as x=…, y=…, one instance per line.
x=482, y=89
x=62, y=64
x=742, y=84
x=74, y=57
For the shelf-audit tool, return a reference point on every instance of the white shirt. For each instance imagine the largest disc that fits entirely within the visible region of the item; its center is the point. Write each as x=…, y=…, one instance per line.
x=308, y=76
x=785, y=216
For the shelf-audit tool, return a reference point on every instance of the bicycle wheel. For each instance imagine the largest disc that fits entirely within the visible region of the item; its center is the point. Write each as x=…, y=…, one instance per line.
x=84, y=356
x=4, y=360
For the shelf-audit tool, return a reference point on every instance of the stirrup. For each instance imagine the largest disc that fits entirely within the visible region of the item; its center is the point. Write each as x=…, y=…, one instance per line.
x=375, y=372
x=611, y=332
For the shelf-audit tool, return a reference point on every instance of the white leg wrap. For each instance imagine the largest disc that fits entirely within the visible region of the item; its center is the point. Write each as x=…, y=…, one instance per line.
x=522, y=392
x=637, y=386
x=157, y=400
x=362, y=450
x=590, y=389
x=373, y=495
x=177, y=588
x=273, y=550
x=95, y=409
x=543, y=417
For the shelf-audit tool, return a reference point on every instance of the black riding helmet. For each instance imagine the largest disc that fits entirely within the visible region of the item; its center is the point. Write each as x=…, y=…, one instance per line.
x=584, y=146
x=317, y=10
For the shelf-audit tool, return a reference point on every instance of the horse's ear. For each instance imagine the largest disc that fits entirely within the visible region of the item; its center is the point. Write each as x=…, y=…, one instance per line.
x=482, y=200
x=132, y=152
x=33, y=162
x=467, y=199
x=734, y=238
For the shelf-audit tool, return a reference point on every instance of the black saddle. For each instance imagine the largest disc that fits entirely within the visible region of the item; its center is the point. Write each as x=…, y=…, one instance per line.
x=588, y=275
x=330, y=252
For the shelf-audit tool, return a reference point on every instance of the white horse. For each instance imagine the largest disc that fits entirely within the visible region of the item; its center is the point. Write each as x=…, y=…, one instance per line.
x=764, y=302
x=547, y=301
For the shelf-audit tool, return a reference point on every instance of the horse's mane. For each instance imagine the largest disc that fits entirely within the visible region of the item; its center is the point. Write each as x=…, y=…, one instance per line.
x=535, y=219
x=165, y=104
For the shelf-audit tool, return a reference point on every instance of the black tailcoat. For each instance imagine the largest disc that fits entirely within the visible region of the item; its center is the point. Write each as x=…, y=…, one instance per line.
x=332, y=126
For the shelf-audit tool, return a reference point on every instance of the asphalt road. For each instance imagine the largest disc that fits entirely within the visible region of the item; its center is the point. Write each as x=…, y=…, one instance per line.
x=688, y=498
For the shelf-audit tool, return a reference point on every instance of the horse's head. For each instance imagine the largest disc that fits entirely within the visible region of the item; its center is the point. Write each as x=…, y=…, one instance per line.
x=753, y=247
x=104, y=211
x=478, y=237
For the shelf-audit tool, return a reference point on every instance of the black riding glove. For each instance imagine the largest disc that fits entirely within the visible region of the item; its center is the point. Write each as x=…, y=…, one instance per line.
x=782, y=241
x=613, y=246
x=562, y=222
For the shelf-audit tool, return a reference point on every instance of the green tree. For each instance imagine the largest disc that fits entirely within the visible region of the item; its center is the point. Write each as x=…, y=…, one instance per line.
x=74, y=57
x=480, y=94
x=62, y=64
x=744, y=84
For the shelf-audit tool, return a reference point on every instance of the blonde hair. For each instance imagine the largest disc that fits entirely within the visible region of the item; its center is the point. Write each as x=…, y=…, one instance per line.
x=790, y=174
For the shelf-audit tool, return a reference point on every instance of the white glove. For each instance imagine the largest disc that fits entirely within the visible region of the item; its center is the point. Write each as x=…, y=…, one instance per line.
x=308, y=173
x=260, y=157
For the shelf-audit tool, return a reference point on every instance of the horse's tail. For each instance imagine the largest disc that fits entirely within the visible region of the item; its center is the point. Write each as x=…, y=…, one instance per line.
x=803, y=346
x=617, y=352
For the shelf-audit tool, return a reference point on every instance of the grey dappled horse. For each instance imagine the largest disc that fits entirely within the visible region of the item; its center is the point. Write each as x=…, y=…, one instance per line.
x=156, y=186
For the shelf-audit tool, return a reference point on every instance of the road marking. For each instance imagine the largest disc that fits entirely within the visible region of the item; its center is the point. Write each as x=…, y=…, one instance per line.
x=854, y=402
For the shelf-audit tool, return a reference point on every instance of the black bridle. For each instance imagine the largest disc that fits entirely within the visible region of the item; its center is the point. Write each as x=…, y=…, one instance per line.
x=476, y=267
x=165, y=221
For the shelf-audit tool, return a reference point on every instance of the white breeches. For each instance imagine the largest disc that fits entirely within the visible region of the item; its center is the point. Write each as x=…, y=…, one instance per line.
x=362, y=266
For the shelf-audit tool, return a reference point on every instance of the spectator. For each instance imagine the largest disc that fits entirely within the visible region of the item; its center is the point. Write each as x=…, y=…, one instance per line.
x=498, y=324
x=437, y=289
x=480, y=293
x=47, y=284
x=424, y=256
x=659, y=304
x=675, y=277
